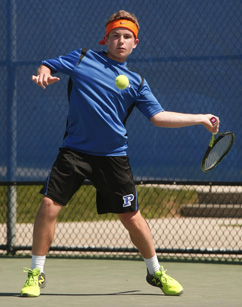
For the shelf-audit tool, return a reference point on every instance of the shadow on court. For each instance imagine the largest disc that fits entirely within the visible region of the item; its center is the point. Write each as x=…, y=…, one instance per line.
x=81, y=282
x=133, y=292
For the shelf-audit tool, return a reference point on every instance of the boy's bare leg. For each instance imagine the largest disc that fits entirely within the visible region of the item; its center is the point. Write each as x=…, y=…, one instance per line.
x=43, y=235
x=141, y=237
x=44, y=226
x=139, y=232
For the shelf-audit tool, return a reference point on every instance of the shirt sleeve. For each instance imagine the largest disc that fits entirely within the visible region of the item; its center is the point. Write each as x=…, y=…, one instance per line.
x=64, y=64
x=147, y=102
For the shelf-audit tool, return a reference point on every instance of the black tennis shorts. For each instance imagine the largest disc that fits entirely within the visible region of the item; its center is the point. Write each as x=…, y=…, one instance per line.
x=111, y=176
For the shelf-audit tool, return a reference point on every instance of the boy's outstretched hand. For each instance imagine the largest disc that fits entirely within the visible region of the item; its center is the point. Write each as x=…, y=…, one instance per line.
x=44, y=79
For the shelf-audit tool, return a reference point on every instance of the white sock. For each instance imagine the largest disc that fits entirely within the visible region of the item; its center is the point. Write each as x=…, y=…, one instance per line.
x=38, y=262
x=152, y=264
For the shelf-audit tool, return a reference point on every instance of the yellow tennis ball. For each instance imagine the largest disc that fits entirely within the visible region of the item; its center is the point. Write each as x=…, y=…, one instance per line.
x=122, y=82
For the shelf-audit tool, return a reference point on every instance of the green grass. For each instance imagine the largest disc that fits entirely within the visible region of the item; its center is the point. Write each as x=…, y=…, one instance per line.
x=154, y=202
x=231, y=225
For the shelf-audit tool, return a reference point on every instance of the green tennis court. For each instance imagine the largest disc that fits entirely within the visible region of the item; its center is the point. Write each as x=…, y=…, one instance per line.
x=82, y=282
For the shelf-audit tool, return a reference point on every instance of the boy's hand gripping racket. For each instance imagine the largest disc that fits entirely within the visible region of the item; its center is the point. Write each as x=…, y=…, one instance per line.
x=217, y=149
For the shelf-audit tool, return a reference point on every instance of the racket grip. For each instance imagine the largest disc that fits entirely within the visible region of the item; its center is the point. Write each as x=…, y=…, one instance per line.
x=213, y=120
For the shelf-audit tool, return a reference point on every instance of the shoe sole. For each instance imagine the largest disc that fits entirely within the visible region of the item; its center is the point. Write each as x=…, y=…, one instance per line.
x=28, y=295
x=176, y=294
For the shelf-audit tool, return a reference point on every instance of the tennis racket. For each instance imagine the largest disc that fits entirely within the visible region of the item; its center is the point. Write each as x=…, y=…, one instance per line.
x=218, y=148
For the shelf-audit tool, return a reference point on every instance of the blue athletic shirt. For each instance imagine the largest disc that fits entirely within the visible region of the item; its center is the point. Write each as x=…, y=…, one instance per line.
x=98, y=110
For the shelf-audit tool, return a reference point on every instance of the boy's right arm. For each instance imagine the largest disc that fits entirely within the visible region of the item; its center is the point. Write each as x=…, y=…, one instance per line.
x=44, y=77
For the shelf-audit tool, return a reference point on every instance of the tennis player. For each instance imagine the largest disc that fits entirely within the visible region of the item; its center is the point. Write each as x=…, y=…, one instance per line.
x=95, y=145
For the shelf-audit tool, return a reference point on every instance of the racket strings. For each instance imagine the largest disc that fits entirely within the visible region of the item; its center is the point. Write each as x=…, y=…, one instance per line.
x=219, y=150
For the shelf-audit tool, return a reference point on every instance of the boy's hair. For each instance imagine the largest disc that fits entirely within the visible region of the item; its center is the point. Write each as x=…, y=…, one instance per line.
x=123, y=15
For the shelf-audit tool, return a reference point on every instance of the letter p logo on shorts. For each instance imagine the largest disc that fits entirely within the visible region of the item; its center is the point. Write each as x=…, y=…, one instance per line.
x=127, y=200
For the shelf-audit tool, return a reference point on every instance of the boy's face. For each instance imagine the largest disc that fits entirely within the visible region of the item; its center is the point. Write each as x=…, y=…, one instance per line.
x=120, y=43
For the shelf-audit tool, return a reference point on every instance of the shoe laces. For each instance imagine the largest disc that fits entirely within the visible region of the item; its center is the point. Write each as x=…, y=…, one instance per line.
x=32, y=274
x=161, y=274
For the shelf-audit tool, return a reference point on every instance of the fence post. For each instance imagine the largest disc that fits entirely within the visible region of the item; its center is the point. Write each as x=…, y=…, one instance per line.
x=11, y=126
x=11, y=218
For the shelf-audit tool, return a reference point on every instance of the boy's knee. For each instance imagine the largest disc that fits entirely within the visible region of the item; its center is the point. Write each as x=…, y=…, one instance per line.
x=49, y=208
x=130, y=219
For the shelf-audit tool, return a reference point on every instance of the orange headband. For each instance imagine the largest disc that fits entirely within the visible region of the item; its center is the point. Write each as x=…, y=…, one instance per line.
x=121, y=23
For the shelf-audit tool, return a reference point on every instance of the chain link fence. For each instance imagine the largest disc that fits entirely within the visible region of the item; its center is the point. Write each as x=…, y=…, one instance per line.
x=190, y=54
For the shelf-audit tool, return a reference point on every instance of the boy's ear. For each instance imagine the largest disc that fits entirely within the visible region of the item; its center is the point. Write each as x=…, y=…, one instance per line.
x=105, y=38
x=136, y=42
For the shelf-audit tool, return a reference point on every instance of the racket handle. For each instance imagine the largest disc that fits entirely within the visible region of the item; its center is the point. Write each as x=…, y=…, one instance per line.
x=213, y=120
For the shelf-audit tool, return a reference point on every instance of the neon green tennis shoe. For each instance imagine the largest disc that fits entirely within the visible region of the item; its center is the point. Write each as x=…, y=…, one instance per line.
x=165, y=282
x=31, y=287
